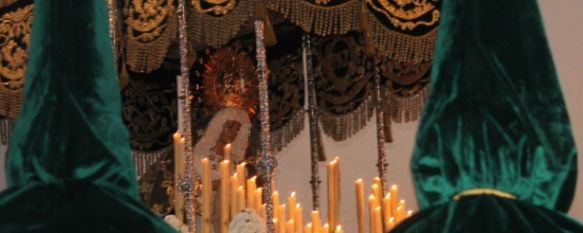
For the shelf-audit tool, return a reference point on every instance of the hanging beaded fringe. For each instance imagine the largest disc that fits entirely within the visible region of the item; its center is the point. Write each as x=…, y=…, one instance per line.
x=217, y=31
x=342, y=127
x=143, y=160
x=284, y=135
x=6, y=127
x=405, y=109
x=399, y=46
x=147, y=57
x=10, y=102
x=320, y=20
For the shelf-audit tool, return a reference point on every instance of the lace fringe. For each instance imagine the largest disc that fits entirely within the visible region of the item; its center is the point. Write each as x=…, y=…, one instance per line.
x=405, y=109
x=284, y=135
x=342, y=127
x=143, y=160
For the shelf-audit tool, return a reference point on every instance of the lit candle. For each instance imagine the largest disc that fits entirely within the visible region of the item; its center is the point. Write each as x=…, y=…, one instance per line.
x=401, y=209
x=275, y=198
x=251, y=186
x=391, y=223
x=316, y=223
x=360, y=205
x=394, y=198
x=325, y=228
x=289, y=226
x=377, y=220
x=409, y=213
x=387, y=209
x=339, y=229
x=224, y=197
x=376, y=191
x=207, y=190
x=308, y=228
x=258, y=198
x=241, y=173
x=299, y=217
x=291, y=202
x=376, y=180
x=332, y=202
x=372, y=204
x=178, y=172
x=240, y=199
x=281, y=217
x=227, y=152
x=276, y=223
x=399, y=214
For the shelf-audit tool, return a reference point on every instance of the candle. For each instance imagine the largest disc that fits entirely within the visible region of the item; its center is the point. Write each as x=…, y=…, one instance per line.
x=339, y=229
x=276, y=225
x=409, y=213
x=391, y=223
x=360, y=205
x=227, y=152
x=372, y=204
x=299, y=217
x=291, y=202
x=394, y=198
x=207, y=190
x=234, y=183
x=241, y=173
x=376, y=180
x=251, y=186
x=275, y=198
x=376, y=191
x=387, y=209
x=401, y=207
x=240, y=199
x=332, y=198
x=258, y=198
x=289, y=226
x=325, y=228
x=399, y=214
x=316, y=223
x=377, y=220
x=281, y=217
x=308, y=228
x=178, y=172
x=224, y=197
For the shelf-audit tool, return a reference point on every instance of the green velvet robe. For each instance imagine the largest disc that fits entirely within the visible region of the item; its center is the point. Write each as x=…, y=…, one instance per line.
x=69, y=165
x=495, y=118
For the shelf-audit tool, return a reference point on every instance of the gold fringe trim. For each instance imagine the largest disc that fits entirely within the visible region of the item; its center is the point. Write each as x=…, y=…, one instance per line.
x=320, y=20
x=341, y=127
x=143, y=160
x=217, y=31
x=405, y=109
x=484, y=191
x=147, y=57
x=6, y=128
x=399, y=46
x=284, y=135
x=10, y=102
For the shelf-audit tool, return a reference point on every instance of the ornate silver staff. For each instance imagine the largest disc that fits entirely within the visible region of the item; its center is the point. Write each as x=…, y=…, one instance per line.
x=267, y=162
x=380, y=115
x=189, y=180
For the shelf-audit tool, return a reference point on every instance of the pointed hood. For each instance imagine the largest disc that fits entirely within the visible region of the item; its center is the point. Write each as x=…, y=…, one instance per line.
x=495, y=131
x=69, y=164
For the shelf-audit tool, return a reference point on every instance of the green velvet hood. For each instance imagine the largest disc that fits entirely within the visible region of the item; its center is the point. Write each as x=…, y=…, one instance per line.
x=494, y=119
x=69, y=166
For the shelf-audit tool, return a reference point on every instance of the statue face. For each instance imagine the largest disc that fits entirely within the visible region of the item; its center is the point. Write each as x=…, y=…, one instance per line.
x=230, y=130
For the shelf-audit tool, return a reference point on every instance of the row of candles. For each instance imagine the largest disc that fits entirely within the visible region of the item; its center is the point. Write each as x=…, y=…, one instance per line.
x=238, y=192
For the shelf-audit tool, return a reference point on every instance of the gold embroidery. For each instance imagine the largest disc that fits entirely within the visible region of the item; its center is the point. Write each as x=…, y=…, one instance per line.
x=483, y=191
x=417, y=9
x=15, y=28
x=151, y=27
x=218, y=7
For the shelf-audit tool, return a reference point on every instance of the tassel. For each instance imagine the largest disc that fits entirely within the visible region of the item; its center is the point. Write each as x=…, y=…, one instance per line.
x=369, y=45
x=321, y=154
x=261, y=14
